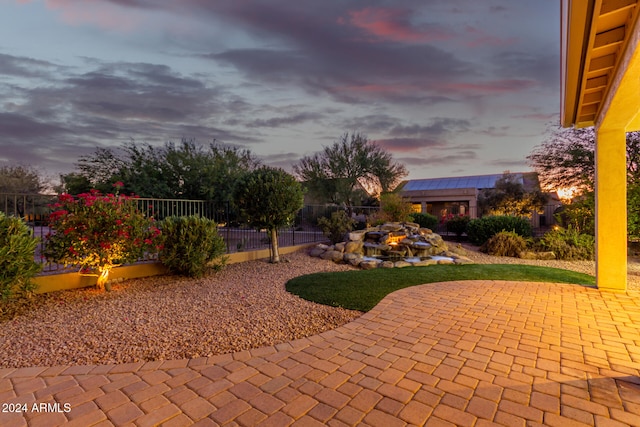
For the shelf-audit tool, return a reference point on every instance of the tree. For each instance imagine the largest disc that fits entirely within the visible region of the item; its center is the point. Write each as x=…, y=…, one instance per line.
x=20, y=180
x=269, y=198
x=74, y=183
x=566, y=159
x=510, y=197
x=174, y=171
x=340, y=172
x=394, y=208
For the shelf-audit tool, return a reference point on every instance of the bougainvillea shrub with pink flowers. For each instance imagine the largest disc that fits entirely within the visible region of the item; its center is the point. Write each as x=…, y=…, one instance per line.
x=97, y=232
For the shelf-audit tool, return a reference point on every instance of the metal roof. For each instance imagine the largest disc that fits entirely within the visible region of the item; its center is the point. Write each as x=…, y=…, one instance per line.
x=477, y=181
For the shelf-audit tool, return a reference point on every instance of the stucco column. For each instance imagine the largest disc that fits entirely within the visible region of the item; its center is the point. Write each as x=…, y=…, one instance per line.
x=611, y=209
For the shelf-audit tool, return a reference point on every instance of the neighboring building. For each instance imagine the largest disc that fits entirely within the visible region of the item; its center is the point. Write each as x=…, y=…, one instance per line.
x=459, y=195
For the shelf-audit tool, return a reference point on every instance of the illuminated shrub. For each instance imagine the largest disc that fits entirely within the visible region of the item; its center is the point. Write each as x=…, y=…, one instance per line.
x=99, y=232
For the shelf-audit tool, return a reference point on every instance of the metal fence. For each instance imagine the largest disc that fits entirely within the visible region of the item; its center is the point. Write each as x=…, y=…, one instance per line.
x=238, y=237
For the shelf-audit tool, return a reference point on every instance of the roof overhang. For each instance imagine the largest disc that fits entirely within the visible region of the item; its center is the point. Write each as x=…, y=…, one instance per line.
x=599, y=41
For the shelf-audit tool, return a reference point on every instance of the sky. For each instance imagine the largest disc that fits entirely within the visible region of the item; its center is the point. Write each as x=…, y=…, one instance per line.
x=448, y=87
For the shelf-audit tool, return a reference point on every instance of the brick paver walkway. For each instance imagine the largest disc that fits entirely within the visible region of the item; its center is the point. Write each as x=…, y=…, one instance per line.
x=460, y=353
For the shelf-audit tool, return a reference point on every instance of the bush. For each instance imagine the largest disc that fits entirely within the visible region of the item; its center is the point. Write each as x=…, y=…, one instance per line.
x=192, y=245
x=98, y=232
x=425, y=220
x=579, y=215
x=568, y=243
x=337, y=226
x=17, y=252
x=394, y=208
x=457, y=224
x=505, y=243
x=482, y=229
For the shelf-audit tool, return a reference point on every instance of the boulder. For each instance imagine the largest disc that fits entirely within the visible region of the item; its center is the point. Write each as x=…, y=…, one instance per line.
x=369, y=264
x=401, y=264
x=528, y=255
x=391, y=226
x=317, y=251
x=339, y=246
x=386, y=264
x=332, y=255
x=355, y=262
x=457, y=249
x=348, y=256
x=356, y=236
x=546, y=255
x=354, y=247
x=425, y=262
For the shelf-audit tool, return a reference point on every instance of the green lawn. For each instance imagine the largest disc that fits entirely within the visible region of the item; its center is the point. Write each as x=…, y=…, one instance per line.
x=363, y=289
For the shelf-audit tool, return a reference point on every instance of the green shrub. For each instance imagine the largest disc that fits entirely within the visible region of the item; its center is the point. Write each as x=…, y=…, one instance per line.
x=579, y=215
x=394, y=208
x=337, y=226
x=568, y=243
x=425, y=220
x=17, y=252
x=482, y=229
x=457, y=225
x=505, y=243
x=192, y=245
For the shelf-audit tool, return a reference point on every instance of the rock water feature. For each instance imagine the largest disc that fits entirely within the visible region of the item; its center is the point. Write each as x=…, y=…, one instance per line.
x=391, y=245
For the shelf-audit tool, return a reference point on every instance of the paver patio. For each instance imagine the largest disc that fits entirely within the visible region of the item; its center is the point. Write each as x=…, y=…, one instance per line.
x=471, y=353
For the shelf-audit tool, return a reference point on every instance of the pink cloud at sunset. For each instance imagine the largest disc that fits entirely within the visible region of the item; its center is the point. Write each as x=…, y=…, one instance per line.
x=475, y=37
x=394, y=25
x=105, y=15
x=425, y=79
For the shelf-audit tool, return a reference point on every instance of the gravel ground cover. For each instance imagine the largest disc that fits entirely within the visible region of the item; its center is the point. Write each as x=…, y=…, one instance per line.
x=170, y=317
x=588, y=267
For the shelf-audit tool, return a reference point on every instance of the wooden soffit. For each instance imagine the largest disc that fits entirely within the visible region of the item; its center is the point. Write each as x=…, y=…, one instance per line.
x=595, y=35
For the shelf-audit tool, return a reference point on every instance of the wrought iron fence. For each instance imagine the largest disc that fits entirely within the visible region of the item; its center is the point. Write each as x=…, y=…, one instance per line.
x=238, y=237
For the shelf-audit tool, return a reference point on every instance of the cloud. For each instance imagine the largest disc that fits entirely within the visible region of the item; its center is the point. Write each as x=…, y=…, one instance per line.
x=18, y=66
x=416, y=137
x=19, y=127
x=460, y=157
x=281, y=160
x=510, y=164
x=295, y=119
x=541, y=67
x=394, y=25
x=476, y=37
x=489, y=87
x=439, y=126
x=112, y=15
x=107, y=105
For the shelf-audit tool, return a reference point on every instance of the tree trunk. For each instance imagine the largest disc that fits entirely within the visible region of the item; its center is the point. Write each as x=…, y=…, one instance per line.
x=103, y=278
x=275, y=255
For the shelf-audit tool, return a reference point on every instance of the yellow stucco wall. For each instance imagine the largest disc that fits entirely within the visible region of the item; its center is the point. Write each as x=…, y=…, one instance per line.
x=611, y=210
x=57, y=282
